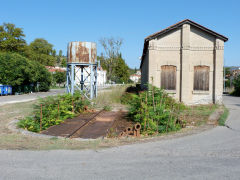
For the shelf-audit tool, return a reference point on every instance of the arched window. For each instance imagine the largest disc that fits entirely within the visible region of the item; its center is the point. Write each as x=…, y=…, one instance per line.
x=201, y=78
x=168, y=77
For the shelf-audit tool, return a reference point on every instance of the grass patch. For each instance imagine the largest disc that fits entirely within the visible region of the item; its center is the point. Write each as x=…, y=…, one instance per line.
x=107, y=108
x=223, y=117
x=197, y=115
x=108, y=97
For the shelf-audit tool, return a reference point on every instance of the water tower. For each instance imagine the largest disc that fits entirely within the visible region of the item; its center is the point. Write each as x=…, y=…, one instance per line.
x=82, y=68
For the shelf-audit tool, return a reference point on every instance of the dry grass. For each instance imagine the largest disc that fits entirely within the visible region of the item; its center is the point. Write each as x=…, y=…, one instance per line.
x=198, y=115
x=110, y=97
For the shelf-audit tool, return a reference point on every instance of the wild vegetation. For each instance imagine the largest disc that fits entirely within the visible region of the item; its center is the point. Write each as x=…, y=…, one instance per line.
x=158, y=112
x=155, y=110
x=58, y=78
x=109, y=97
x=54, y=110
x=236, y=84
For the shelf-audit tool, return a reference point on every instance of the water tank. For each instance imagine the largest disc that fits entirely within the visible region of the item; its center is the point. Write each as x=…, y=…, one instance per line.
x=82, y=52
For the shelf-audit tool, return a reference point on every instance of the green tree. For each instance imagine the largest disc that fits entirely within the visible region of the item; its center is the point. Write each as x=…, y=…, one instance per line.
x=102, y=61
x=60, y=53
x=111, y=48
x=17, y=70
x=53, y=53
x=59, y=77
x=12, y=38
x=236, y=84
x=63, y=62
x=121, y=71
x=42, y=51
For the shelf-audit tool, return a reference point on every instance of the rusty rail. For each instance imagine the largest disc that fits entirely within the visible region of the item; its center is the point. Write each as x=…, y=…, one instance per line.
x=83, y=125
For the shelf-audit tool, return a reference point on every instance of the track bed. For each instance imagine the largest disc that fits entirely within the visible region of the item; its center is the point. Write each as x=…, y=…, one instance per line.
x=92, y=125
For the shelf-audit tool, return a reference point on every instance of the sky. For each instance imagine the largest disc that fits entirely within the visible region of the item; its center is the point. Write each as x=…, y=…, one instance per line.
x=62, y=21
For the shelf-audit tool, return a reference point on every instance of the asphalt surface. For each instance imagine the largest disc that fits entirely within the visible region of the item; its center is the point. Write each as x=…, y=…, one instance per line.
x=28, y=97
x=212, y=154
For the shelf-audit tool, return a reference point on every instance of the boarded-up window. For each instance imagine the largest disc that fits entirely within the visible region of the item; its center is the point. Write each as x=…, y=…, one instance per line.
x=168, y=77
x=201, y=78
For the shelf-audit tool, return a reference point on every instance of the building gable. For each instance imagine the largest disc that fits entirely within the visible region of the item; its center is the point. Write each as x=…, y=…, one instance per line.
x=199, y=33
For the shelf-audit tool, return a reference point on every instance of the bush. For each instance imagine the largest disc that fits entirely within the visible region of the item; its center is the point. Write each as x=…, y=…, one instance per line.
x=59, y=77
x=155, y=110
x=236, y=84
x=18, y=71
x=54, y=111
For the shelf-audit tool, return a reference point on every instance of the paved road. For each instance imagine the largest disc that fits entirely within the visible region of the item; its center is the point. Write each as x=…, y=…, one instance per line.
x=33, y=96
x=213, y=154
x=28, y=97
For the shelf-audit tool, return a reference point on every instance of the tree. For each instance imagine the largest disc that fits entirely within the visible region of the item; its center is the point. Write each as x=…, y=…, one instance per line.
x=16, y=70
x=42, y=51
x=59, y=77
x=111, y=48
x=236, y=84
x=60, y=53
x=63, y=62
x=102, y=61
x=53, y=53
x=121, y=71
x=12, y=38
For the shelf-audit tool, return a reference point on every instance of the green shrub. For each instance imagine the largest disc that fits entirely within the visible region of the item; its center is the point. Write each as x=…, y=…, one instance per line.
x=55, y=110
x=155, y=110
x=126, y=98
x=107, y=108
x=236, y=84
x=20, y=72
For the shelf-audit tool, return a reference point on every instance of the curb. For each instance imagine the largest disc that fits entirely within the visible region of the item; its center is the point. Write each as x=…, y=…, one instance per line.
x=12, y=126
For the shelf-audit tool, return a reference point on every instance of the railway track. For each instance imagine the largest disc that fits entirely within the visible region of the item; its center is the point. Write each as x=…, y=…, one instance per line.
x=84, y=124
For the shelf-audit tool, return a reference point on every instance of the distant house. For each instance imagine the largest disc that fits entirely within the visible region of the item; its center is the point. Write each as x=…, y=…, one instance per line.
x=135, y=77
x=101, y=76
x=235, y=71
x=53, y=69
x=185, y=59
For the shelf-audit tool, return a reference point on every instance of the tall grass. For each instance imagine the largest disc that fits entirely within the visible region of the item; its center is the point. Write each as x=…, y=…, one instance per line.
x=223, y=117
x=109, y=96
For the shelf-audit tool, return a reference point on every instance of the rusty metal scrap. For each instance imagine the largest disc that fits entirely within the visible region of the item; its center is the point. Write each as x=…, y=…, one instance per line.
x=131, y=131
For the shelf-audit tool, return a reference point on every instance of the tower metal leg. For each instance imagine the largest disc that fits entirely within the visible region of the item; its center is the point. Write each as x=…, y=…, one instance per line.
x=91, y=81
x=72, y=79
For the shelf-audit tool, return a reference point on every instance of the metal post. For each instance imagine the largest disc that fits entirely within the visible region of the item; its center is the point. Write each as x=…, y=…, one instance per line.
x=67, y=86
x=96, y=80
x=82, y=80
x=91, y=81
x=72, y=78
